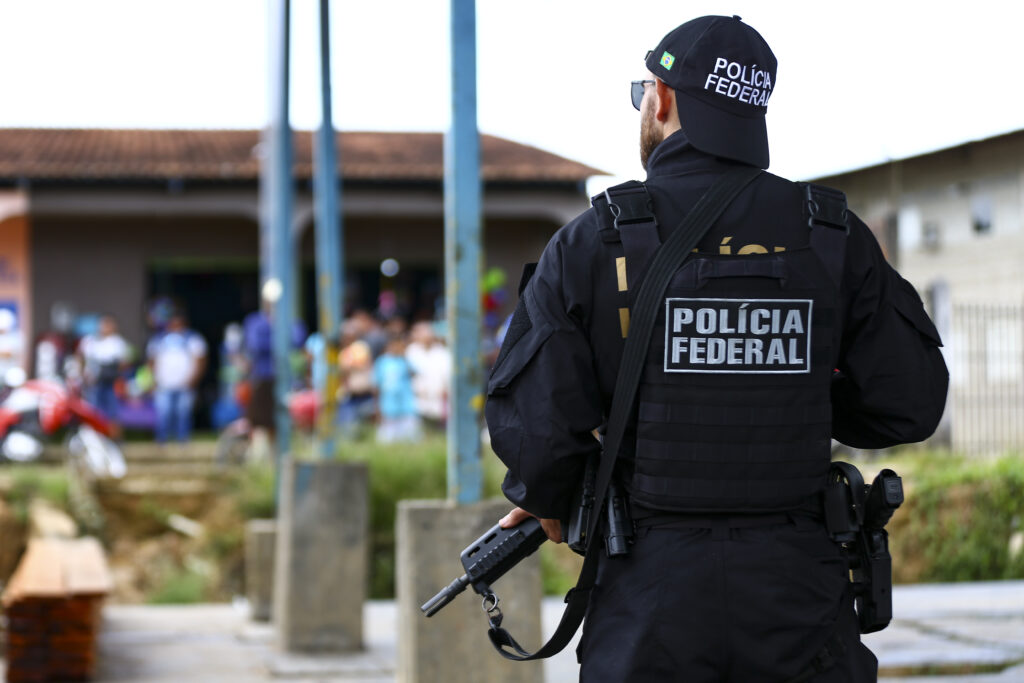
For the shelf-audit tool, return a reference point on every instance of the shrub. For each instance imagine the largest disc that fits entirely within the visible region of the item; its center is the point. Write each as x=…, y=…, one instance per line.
x=254, y=491
x=400, y=472
x=958, y=520
x=406, y=471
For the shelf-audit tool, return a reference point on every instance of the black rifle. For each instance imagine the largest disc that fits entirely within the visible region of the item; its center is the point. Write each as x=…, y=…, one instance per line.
x=856, y=516
x=487, y=559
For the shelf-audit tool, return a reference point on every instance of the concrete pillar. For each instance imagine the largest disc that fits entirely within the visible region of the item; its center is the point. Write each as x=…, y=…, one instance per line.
x=260, y=541
x=322, y=556
x=452, y=646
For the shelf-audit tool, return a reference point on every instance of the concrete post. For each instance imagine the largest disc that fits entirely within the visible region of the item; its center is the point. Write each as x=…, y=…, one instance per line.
x=322, y=556
x=260, y=540
x=452, y=646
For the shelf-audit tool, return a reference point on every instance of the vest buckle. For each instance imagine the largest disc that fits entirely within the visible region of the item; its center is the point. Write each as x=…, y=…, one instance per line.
x=630, y=204
x=826, y=207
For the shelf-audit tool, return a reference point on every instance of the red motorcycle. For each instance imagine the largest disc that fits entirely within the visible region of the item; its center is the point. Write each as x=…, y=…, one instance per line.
x=35, y=411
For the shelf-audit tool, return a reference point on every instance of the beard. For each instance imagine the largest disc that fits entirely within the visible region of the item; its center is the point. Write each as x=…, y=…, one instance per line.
x=650, y=137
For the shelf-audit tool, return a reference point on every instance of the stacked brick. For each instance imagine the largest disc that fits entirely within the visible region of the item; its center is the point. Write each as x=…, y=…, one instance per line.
x=52, y=604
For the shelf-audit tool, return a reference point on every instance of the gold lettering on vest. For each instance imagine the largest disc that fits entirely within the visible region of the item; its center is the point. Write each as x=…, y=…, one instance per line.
x=620, y=272
x=624, y=321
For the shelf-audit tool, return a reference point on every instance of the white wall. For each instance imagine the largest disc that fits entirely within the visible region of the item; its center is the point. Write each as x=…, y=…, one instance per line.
x=936, y=200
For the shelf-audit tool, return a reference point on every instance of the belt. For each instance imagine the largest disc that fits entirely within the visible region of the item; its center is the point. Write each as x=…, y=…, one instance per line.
x=721, y=524
x=691, y=521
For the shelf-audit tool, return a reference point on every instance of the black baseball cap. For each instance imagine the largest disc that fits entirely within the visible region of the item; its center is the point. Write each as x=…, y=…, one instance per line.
x=723, y=73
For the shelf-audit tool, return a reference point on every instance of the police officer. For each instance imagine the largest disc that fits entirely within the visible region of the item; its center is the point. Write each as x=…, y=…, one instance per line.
x=771, y=342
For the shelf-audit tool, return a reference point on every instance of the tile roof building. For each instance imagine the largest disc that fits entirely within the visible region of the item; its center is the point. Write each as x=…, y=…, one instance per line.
x=40, y=154
x=105, y=220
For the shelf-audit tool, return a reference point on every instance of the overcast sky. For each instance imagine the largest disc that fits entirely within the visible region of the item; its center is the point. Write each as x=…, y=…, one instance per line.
x=858, y=83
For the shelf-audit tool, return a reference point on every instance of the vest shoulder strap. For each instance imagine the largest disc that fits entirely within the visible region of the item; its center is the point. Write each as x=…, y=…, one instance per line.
x=627, y=203
x=626, y=213
x=828, y=220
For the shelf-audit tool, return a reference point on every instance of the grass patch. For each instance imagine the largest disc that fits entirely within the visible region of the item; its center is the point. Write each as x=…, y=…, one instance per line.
x=29, y=482
x=181, y=587
x=407, y=471
x=253, y=488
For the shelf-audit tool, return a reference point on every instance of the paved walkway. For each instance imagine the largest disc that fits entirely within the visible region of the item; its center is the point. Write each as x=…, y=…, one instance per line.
x=950, y=627
x=942, y=628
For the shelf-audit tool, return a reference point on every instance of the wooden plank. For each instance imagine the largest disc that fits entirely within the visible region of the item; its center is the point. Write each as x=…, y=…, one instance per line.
x=86, y=568
x=52, y=604
x=40, y=573
x=53, y=567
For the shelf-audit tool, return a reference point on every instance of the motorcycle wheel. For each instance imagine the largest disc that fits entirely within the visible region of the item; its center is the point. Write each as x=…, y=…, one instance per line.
x=19, y=446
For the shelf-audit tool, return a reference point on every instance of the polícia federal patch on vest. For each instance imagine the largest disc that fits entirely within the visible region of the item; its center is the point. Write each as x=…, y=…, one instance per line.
x=760, y=336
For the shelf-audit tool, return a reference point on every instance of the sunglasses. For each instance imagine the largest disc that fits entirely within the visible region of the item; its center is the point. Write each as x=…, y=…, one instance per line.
x=636, y=92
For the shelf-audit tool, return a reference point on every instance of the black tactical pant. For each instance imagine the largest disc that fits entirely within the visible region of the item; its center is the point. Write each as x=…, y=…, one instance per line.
x=754, y=604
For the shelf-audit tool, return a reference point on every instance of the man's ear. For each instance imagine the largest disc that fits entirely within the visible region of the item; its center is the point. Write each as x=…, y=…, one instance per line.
x=666, y=100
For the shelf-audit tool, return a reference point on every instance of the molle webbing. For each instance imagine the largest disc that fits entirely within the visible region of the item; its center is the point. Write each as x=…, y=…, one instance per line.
x=736, y=437
x=730, y=415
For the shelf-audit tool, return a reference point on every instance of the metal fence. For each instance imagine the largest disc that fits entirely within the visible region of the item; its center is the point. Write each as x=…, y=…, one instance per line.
x=985, y=354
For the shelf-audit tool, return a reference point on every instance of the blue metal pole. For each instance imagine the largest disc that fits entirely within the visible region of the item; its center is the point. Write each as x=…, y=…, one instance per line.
x=278, y=167
x=462, y=209
x=327, y=196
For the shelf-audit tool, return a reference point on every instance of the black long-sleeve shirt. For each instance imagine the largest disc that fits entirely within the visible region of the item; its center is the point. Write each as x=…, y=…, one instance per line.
x=552, y=384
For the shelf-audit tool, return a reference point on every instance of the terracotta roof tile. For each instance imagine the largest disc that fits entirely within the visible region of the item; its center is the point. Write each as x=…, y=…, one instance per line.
x=93, y=154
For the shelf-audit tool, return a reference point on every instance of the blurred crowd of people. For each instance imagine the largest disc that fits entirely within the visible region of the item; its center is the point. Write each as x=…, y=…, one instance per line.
x=393, y=375
x=393, y=378
x=152, y=389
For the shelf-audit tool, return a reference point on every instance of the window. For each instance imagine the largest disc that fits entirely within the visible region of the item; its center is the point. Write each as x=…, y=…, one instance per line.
x=931, y=236
x=981, y=215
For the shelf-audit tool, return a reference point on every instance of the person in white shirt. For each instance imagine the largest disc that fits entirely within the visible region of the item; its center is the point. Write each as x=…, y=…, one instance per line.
x=432, y=368
x=104, y=354
x=178, y=358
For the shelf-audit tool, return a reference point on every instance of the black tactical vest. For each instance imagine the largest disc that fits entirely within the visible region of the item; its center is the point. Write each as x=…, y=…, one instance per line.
x=733, y=408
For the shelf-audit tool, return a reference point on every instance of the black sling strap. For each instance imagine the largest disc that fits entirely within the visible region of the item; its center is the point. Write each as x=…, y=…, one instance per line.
x=666, y=261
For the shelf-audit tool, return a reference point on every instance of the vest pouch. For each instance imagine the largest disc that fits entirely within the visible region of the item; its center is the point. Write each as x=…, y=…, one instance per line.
x=908, y=304
x=526, y=333
x=706, y=269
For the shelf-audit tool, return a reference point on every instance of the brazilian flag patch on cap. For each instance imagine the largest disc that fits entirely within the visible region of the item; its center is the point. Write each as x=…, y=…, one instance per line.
x=667, y=60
